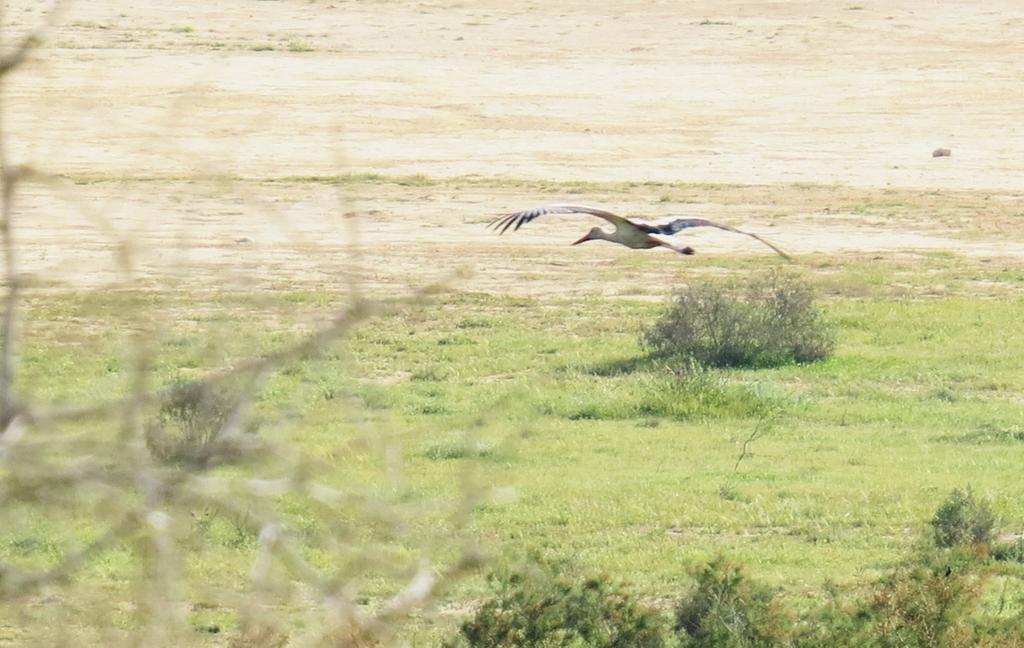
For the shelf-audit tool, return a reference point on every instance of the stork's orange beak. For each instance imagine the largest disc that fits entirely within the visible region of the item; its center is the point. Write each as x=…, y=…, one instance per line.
x=583, y=239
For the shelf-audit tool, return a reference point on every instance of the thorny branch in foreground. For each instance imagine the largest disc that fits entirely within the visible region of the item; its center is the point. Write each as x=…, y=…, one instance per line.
x=148, y=499
x=10, y=177
x=64, y=461
x=19, y=53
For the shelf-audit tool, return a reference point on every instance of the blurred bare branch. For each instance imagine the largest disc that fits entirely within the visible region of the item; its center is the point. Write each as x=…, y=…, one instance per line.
x=17, y=55
x=10, y=177
x=103, y=459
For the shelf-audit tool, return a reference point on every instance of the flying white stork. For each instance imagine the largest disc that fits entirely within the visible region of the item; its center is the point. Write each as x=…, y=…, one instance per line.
x=631, y=233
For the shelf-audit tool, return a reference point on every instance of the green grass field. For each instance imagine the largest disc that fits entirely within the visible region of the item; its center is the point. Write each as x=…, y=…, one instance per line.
x=590, y=450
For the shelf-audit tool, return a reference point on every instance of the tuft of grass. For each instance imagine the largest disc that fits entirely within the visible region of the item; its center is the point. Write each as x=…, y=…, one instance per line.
x=697, y=395
x=299, y=46
x=987, y=433
x=89, y=24
x=317, y=297
x=730, y=493
x=463, y=449
x=476, y=322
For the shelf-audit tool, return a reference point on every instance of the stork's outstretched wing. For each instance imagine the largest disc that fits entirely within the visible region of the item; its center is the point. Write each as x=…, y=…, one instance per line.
x=679, y=224
x=505, y=221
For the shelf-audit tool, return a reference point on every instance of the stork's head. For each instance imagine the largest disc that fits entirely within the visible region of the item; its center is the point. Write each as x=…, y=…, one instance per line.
x=594, y=233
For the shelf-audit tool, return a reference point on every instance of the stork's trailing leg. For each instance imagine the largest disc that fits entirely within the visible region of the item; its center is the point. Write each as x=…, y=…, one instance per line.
x=681, y=250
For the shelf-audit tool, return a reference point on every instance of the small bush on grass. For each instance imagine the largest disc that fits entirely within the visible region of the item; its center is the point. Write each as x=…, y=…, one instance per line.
x=923, y=606
x=549, y=605
x=1009, y=551
x=774, y=323
x=185, y=429
x=963, y=519
x=931, y=600
x=726, y=609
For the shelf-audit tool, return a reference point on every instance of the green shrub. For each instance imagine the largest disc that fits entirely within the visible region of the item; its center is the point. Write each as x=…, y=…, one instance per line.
x=920, y=606
x=185, y=429
x=1009, y=551
x=728, y=610
x=775, y=322
x=962, y=519
x=931, y=601
x=546, y=604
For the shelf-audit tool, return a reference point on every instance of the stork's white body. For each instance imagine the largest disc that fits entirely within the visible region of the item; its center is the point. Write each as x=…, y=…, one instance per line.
x=632, y=237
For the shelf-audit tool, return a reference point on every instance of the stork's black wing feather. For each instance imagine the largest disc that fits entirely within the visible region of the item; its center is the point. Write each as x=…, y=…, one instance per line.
x=520, y=218
x=679, y=224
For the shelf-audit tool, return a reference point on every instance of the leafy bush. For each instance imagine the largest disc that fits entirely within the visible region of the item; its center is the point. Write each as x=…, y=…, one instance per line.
x=728, y=610
x=546, y=604
x=774, y=323
x=924, y=607
x=1009, y=551
x=962, y=519
x=190, y=418
x=929, y=601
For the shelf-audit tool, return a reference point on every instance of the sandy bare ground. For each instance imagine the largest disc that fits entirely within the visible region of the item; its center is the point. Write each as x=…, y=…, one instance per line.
x=143, y=103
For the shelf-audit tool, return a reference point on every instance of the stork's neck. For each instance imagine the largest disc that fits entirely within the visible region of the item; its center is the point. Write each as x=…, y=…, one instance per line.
x=598, y=233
